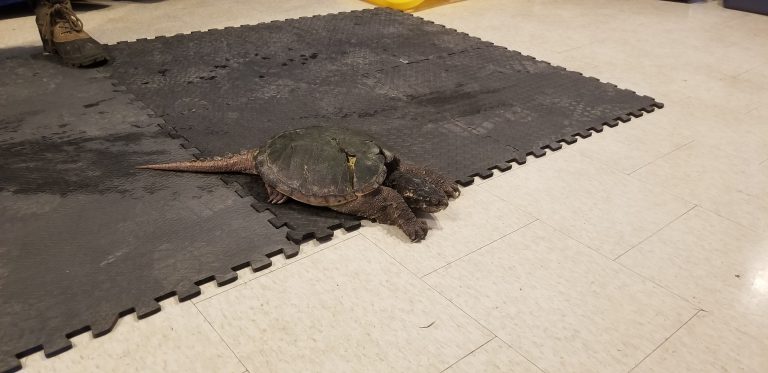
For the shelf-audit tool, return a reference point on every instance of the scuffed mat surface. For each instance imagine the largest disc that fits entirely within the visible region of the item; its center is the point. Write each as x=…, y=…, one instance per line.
x=435, y=96
x=86, y=238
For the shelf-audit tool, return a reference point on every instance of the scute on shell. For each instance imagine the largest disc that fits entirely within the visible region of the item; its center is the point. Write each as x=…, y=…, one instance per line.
x=323, y=166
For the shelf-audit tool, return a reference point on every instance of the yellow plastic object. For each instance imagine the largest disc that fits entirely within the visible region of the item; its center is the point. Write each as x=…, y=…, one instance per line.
x=397, y=4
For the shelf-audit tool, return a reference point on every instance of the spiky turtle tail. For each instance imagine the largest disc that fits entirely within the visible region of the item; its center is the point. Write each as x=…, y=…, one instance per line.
x=244, y=162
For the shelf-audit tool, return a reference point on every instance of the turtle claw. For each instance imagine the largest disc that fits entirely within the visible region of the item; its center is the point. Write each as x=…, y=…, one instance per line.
x=454, y=191
x=416, y=230
x=450, y=189
x=275, y=197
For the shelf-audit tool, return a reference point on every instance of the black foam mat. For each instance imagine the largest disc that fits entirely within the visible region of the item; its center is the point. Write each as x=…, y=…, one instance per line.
x=84, y=237
x=436, y=96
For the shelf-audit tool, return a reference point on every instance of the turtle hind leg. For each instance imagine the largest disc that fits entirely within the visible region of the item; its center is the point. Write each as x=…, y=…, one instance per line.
x=274, y=196
x=386, y=206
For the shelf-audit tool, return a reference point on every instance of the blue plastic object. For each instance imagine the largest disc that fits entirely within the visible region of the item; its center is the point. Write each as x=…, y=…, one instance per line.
x=9, y=2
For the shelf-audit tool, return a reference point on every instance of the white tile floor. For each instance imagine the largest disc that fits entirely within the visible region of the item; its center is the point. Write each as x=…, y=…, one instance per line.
x=643, y=248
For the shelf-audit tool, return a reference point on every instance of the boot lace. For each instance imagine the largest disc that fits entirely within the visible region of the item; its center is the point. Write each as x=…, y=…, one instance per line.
x=62, y=12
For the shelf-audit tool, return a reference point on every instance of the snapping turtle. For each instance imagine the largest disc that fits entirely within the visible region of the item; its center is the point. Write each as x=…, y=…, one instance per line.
x=339, y=168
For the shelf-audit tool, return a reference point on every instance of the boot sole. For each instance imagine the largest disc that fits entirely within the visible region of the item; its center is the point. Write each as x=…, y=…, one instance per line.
x=87, y=61
x=83, y=62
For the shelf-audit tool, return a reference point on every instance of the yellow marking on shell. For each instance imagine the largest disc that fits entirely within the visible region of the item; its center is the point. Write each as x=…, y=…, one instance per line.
x=351, y=159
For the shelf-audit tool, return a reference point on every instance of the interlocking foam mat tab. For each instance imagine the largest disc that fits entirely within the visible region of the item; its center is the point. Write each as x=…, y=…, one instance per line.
x=436, y=96
x=84, y=237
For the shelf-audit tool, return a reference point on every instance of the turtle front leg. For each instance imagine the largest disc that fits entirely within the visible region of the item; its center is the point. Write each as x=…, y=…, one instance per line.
x=386, y=206
x=450, y=188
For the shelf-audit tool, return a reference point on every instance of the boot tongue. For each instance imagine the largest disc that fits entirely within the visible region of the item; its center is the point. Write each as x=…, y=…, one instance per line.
x=63, y=31
x=63, y=14
x=63, y=27
x=66, y=25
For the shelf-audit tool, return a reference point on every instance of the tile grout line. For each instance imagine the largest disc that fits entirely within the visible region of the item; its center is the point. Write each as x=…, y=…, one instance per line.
x=222, y=292
x=731, y=220
x=297, y=259
x=455, y=305
x=685, y=198
x=582, y=243
x=430, y=286
x=547, y=224
x=623, y=266
x=655, y=232
x=469, y=353
x=662, y=189
x=666, y=339
x=660, y=157
x=749, y=70
x=521, y=354
x=572, y=238
x=478, y=249
x=220, y=337
x=686, y=300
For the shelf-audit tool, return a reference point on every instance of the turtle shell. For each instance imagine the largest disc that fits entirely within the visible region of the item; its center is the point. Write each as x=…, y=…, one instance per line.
x=323, y=166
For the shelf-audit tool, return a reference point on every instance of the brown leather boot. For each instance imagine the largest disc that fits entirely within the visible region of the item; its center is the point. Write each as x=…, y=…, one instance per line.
x=62, y=33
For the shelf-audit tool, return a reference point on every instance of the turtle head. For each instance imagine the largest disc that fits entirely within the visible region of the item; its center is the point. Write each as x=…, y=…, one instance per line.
x=419, y=194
